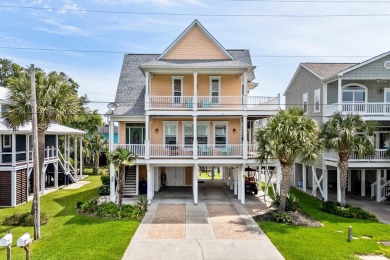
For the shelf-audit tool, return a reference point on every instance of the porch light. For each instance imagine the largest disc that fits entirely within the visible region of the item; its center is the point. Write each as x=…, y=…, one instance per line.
x=234, y=131
x=156, y=131
x=112, y=107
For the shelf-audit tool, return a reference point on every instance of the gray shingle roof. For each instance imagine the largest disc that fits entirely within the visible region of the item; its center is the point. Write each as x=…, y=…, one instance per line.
x=54, y=128
x=130, y=94
x=326, y=70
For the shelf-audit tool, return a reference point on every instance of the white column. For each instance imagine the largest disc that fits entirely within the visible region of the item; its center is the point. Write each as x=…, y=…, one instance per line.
x=112, y=168
x=155, y=178
x=378, y=185
x=81, y=157
x=314, y=184
x=13, y=186
x=304, y=175
x=148, y=179
x=75, y=157
x=245, y=85
x=363, y=182
x=266, y=179
x=147, y=99
x=242, y=173
x=339, y=93
x=245, y=139
x=349, y=181
x=324, y=98
x=152, y=181
x=13, y=144
x=195, y=97
x=239, y=183
x=338, y=186
x=147, y=130
x=278, y=178
x=231, y=179
x=325, y=183
x=56, y=175
x=195, y=142
x=385, y=174
x=195, y=183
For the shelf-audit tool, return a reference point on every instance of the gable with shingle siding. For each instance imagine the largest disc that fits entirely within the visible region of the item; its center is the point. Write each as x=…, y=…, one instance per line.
x=373, y=70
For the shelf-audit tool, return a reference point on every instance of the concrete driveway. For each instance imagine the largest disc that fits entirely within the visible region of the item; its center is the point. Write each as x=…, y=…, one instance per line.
x=203, y=231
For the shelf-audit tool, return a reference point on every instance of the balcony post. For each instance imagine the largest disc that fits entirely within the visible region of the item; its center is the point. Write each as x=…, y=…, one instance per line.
x=195, y=141
x=245, y=85
x=195, y=183
x=339, y=95
x=147, y=143
x=338, y=186
x=378, y=185
x=363, y=182
x=112, y=168
x=147, y=100
x=195, y=97
x=245, y=136
x=13, y=144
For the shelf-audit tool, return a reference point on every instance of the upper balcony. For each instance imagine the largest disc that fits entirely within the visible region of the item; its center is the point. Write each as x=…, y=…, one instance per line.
x=363, y=109
x=212, y=103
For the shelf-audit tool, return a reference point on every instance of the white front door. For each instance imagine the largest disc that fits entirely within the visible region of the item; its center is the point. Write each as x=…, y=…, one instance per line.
x=175, y=176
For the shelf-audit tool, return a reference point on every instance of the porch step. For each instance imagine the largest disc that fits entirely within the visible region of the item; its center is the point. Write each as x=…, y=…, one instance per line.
x=130, y=187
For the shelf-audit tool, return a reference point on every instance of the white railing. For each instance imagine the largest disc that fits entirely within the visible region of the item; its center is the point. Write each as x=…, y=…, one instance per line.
x=21, y=157
x=380, y=155
x=170, y=150
x=358, y=108
x=212, y=103
x=228, y=150
x=136, y=149
x=252, y=151
x=382, y=187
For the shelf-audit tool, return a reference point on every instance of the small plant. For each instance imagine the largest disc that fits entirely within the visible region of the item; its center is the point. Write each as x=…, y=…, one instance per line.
x=143, y=203
x=107, y=210
x=291, y=202
x=89, y=206
x=104, y=190
x=24, y=219
x=348, y=211
x=282, y=218
x=79, y=204
x=105, y=179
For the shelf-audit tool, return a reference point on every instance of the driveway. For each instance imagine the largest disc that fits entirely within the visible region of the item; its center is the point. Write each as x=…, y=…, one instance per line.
x=203, y=231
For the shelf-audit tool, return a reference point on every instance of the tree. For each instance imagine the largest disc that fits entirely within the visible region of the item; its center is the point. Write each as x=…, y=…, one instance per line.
x=8, y=70
x=95, y=145
x=348, y=134
x=121, y=158
x=56, y=98
x=287, y=137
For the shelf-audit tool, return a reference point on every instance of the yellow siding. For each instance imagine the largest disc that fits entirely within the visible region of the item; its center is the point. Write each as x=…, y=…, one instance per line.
x=161, y=85
x=122, y=132
x=195, y=46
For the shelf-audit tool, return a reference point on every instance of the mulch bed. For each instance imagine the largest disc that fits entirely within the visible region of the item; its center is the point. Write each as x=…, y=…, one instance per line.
x=299, y=218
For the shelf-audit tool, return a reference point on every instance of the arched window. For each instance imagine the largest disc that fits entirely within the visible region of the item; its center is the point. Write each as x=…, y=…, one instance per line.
x=354, y=93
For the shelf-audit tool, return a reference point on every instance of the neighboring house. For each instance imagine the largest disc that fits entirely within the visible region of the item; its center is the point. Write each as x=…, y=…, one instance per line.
x=16, y=164
x=194, y=112
x=104, y=130
x=322, y=89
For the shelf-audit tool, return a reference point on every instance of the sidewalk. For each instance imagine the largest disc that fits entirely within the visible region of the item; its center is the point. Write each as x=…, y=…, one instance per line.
x=203, y=231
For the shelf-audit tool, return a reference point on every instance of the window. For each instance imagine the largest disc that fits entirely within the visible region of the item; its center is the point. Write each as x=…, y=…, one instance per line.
x=354, y=94
x=202, y=133
x=304, y=101
x=170, y=132
x=220, y=134
x=6, y=141
x=317, y=98
x=177, y=89
x=215, y=89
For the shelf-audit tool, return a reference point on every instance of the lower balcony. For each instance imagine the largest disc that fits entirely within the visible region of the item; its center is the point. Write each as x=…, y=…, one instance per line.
x=364, y=109
x=379, y=156
x=188, y=151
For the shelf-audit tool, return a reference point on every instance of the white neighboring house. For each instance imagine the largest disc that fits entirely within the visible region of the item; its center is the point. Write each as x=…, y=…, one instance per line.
x=16, y=164
x=322, y=89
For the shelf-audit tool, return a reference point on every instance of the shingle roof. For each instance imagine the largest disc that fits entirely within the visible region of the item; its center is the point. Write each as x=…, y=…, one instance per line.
x=54, y=128
x=130, y=94
x=325, y=70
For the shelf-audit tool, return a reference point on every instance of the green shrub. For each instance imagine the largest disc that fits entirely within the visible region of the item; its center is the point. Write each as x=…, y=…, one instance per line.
x=104, y=190
x=348, y=211
x=89, y=206
x=143, y=203
x=105, y=179
x=107, y=210
x=79, y=204
x=24, y=219
x=291, y=202
x=282, y=218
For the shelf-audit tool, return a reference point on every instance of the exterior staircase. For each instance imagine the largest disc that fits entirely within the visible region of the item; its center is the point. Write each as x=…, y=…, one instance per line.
x=130, y=186
x=387, y=193
x=384, y=186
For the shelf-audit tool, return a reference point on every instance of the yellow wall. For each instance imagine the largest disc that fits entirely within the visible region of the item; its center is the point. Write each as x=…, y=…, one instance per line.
x=122, y=132
x=195, y=46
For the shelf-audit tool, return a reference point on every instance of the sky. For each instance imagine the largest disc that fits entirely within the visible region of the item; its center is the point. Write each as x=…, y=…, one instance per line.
x=280, y=34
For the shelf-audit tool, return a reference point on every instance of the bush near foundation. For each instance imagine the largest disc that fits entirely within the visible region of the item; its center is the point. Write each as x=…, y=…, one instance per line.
x=348, y=211
x=24, y=219
x=291, y=202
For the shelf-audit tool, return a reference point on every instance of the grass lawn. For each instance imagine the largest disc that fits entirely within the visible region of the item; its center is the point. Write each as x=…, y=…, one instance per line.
x=205, y=175
x=68, y=235
x=326, y=242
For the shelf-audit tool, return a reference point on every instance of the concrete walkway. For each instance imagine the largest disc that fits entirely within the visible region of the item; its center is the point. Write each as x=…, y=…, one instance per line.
x=203, y=231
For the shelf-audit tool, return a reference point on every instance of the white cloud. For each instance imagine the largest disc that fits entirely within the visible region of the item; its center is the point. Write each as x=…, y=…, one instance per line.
x=61, y=29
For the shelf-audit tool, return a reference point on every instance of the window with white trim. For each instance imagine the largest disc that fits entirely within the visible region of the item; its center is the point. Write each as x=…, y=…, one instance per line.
x=354, y=94
x=6, y=141
x=202, y=133
x=220, y=134
x=177, y=89
x=304, y=102
x=170, y=132
x=317, y=98
x=215, y=89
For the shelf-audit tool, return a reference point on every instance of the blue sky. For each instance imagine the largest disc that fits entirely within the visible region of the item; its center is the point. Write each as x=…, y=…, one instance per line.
x=98, y=73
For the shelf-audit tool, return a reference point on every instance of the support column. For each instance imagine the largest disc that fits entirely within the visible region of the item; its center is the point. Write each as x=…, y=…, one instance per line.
x=235, y=180
x=147, y=128
x=152, y=182
x=304, y=177
x=245, y=90
x=339, y=94
x=314, y=183
x=195, y=141
x=239, y=183
x=56, y=175
x=195, y=183
x=195, y=97
x=245, y=136
x=363, y=182
x=112, y=167
x=81, y=157
x=75, y=158
x=13, y=144
x=325, y=183
x=147, y=99
x=338, y=186
x=385, y=174
x=266, y=179
x=148, y=186
x=231, y=179
x=349, y=181
x=242, y=173
x=378, y=185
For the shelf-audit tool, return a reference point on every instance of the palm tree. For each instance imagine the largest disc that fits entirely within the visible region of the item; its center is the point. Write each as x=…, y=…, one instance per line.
x=289, y=136
x=95, y=145
x=121, y=158
x=56, y=98
x=348, y=134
